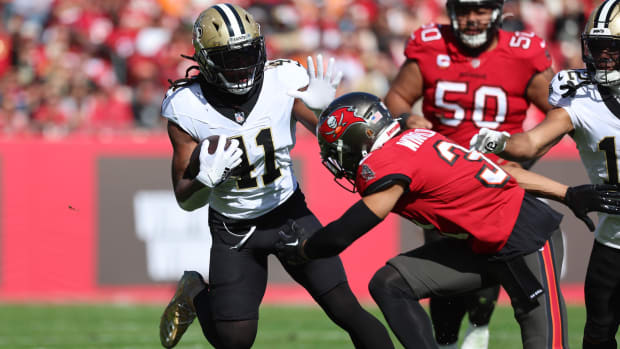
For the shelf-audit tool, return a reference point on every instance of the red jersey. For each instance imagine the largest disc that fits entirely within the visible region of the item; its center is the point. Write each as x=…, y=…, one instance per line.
x=463, y=94
x=457, y=190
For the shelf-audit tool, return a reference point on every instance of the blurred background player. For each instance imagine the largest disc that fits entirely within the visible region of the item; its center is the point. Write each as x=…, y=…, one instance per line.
x=471, y=74
x=496, y=232
x=588, y=110
x=250, y=186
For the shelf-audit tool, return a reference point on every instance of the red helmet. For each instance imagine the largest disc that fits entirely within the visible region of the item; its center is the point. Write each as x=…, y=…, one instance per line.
x=349, y=128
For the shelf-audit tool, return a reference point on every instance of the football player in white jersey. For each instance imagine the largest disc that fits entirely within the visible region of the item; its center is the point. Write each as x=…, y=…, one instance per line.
x=587, y=108
x=250, y=186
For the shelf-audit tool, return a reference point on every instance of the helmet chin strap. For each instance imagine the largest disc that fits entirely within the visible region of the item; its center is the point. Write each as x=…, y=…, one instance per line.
x=615, y=89
x=609, y=79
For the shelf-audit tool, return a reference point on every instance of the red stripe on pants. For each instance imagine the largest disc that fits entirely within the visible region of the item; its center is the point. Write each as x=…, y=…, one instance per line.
x=554, y=299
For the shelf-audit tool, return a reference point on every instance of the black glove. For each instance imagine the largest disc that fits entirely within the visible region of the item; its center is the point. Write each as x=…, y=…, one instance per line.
x=593, y=197
x=290, y=245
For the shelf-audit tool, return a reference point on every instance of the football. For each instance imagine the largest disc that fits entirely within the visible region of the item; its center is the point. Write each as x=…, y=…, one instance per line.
x=194, y=160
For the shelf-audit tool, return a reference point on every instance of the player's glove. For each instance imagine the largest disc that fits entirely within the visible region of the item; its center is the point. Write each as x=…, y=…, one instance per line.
x=593, y=197
x=321, y=88
x=216, y=167
x=489, y=141
x=290, y=245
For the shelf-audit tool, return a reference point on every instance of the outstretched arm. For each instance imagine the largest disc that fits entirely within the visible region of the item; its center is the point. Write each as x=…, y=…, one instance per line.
x=537, y=184
x=580, y=199
x=525, y=145
x=537, y=141
x=305, y=116
x=321, y=90
x=297, y=246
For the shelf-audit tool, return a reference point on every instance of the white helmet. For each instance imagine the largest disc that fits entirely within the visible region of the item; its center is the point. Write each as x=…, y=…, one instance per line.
x=600, y=44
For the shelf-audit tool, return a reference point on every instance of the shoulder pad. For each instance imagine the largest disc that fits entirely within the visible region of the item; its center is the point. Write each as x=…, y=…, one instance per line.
x=527, y=48
x=179, y=106
x=565, y=85
x=289, y=72
x=427, y=37
x=425, y=34
x=281, y=62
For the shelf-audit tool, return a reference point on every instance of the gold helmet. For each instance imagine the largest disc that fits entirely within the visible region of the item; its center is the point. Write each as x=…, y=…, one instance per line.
x=229, y=48
x=600, y=44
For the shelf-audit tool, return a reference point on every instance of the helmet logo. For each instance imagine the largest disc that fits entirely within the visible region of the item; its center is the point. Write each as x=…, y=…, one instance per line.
x=337, y=122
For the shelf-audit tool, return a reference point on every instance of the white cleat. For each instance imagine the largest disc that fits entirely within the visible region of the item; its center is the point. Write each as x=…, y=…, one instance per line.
x=476, y=337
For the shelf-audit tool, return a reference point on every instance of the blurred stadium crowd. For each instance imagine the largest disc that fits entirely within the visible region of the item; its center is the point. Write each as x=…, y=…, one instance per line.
x=100, y=66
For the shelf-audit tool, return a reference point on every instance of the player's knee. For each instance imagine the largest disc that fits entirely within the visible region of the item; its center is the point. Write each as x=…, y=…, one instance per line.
x=481, y=305
x=239, y=342
x=340, y=303
x=236, y=334
x=388, y=283
x=590, y=343
x=598, y=336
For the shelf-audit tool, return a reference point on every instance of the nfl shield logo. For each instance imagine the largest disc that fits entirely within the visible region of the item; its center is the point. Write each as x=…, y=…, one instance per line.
x=240, y=116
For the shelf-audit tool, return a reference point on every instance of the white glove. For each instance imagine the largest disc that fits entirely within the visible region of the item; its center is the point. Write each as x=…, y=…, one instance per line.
x=321, y=88
x=489, y=141
x=216, y=167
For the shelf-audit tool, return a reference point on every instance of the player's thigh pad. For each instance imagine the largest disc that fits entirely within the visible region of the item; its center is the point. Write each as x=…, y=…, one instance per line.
x=442, y=268
x=237, y=281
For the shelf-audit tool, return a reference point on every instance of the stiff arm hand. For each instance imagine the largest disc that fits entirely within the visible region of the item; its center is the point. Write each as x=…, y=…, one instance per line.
x=216, y=167
x=321, y=88
x=290, y=245
x=593, y=197
x=489, y=141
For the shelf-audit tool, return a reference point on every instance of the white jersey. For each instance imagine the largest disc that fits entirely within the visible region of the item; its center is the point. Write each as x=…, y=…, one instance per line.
x=266, y=135
x=595, y=115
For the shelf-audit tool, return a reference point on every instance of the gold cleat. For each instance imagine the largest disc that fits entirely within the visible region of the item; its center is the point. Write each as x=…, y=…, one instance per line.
x=180, y=312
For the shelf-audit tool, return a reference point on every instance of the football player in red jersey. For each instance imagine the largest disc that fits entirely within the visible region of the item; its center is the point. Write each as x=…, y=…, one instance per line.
x=471, y=74
x=500, y=233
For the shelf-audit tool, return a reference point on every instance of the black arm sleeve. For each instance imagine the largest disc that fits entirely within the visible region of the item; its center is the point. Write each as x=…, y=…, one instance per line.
x=339, y=234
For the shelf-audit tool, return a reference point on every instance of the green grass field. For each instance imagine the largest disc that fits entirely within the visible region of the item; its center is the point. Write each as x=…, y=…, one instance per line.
x=128, y=327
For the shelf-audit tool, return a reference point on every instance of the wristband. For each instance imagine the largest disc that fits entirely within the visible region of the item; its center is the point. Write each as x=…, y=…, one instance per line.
x=402, y=120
